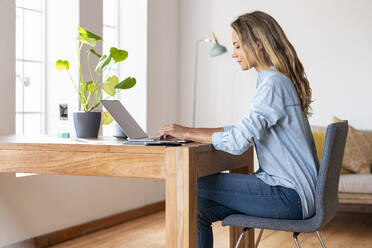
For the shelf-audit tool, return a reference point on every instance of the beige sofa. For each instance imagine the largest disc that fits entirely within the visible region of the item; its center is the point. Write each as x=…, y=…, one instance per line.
x=355, y=190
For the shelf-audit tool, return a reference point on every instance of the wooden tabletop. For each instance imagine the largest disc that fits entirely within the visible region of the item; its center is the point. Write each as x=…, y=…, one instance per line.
x=104, y=156
x=106, y=143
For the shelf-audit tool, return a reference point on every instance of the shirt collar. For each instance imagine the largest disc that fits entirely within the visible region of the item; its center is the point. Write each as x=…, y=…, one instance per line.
x=262, y=74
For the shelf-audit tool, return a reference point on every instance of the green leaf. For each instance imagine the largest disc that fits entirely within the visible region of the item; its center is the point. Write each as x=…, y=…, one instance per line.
x=127, y=83
x=62, y=65
x=93, y=107
x=86, y=34
x=118, y=55
x=92, y=87
x=89, y=41
x=109, y=86
x=106, y=118
x=95, y=53
x=102, y=63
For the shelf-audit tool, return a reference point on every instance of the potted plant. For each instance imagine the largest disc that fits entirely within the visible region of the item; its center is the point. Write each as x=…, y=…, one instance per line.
x=87, y=121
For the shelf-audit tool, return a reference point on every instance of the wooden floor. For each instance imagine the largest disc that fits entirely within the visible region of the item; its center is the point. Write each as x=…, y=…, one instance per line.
x=351, y=230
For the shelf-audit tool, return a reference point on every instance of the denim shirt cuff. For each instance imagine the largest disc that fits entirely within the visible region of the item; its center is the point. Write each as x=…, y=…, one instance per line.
x=217, y=140
x=228, y=128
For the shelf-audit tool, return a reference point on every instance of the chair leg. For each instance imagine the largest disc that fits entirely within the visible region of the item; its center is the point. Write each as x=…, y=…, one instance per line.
x=295, y=234
x=320, y=239
x=241, y=236
x=259, y=238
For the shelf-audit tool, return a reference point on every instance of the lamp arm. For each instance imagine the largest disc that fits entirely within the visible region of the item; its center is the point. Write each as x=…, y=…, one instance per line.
x=218, y=49
x=196, y=78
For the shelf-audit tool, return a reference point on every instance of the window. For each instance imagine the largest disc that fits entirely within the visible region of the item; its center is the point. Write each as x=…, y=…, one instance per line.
x=110, y=39
x=29, y=66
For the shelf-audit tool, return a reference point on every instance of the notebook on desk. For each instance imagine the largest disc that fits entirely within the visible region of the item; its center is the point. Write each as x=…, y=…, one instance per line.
x=136, y=136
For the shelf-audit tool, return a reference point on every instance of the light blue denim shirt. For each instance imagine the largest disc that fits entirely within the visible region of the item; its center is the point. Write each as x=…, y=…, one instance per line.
x=281, y=135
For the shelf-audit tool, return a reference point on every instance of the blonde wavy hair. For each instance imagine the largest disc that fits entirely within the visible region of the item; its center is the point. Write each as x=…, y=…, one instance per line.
x=259, y=27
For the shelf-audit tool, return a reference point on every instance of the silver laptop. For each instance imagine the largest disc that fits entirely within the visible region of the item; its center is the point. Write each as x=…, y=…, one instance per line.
x=131, y=127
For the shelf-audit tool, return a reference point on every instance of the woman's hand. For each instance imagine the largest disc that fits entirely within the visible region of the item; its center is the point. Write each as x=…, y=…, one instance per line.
x=174, y=130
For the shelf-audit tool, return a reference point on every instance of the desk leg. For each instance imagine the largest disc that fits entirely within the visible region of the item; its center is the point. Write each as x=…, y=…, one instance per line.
x=181, y=197
x=248, y=240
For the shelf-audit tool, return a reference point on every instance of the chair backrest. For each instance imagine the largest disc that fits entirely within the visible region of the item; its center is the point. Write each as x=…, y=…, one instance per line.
x=326, y=198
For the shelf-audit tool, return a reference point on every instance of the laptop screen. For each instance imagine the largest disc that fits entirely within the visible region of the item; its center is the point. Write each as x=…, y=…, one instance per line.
x=124, y=119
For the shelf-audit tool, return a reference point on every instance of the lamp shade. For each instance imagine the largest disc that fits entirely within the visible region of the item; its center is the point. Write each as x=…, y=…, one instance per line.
x=217, y=49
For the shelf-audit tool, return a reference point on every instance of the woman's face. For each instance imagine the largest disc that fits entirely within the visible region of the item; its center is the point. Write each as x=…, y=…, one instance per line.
x=245, y=59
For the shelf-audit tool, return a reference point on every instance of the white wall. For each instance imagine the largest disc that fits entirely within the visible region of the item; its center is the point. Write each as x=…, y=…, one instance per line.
x=60, y=44
x=7, y=65
x=162, y=64
x=333, y=40
x=32, y=206
x=133, y=38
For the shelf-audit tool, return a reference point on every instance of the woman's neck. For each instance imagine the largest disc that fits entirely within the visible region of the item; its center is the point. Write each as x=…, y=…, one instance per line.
x=261, y=68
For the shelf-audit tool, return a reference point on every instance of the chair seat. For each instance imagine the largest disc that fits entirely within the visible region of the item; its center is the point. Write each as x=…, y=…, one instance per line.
x=305, y=226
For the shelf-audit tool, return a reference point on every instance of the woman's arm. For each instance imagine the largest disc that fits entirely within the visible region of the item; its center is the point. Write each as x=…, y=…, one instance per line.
x=201, y=135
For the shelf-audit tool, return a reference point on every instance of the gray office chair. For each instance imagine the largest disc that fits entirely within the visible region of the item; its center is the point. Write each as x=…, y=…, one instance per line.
x=326, y=198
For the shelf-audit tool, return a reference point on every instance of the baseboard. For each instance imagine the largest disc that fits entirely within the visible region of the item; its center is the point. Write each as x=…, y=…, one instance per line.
x=93, y=226
x=355, y=208
x=24, y=244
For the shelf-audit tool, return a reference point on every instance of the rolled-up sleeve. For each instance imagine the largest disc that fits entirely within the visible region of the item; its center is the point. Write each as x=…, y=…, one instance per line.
x=267, y=109
x=227, y=128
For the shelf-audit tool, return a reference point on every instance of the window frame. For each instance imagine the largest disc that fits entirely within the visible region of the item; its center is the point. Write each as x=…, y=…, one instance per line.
x=42, y=63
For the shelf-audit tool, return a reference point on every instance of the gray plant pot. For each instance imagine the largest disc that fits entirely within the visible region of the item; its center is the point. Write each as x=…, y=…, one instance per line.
x=87, y=124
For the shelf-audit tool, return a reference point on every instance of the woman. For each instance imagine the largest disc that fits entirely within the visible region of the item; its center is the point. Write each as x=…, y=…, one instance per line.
x=276, y=125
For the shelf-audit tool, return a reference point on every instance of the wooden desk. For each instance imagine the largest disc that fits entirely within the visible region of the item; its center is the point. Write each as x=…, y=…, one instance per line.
x=179, y=166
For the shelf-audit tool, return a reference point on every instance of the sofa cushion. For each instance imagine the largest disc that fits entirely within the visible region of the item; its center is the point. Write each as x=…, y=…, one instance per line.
x=355, y=183
x=319, y=137
x=358, y=150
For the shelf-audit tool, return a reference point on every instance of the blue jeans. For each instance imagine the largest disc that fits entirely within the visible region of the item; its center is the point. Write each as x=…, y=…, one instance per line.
x=223, y=194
